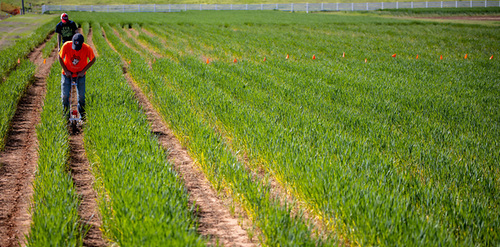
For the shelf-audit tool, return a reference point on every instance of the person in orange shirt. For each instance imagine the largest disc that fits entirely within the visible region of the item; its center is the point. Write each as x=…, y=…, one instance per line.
x=76, y=58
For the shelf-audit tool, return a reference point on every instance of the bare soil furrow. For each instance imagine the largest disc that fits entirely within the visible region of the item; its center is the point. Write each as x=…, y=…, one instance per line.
x=83, y=179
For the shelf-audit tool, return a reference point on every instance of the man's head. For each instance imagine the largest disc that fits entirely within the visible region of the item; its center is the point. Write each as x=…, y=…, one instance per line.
x=64, y=17
x=77, y=41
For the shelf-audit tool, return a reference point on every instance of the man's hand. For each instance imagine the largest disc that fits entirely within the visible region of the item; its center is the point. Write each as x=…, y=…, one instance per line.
x=80, y=74
x=68, y=73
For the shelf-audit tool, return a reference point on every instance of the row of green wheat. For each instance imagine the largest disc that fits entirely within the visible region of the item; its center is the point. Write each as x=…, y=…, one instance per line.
x=368, y=147
x=13, y=87
x=141, y=199
x=11, y=91
x=55, y=220
x=10, y=56
x=218, y=162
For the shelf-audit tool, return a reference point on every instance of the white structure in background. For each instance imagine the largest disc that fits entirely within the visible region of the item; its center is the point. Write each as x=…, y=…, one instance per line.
x=306, y=7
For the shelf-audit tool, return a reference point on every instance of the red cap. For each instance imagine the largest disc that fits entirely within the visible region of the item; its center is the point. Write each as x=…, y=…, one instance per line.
x=64, y=17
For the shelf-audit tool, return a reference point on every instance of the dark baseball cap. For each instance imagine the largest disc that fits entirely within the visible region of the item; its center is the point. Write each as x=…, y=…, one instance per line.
x=77, y=41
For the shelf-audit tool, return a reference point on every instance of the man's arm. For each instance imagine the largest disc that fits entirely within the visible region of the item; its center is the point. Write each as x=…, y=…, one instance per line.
x=59, y=36
x=82, y=73
x=75, y=28
x=66, y=71
x=59, y=42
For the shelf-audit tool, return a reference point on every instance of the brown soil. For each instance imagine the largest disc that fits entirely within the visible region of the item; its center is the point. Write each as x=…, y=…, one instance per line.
x=136, y=33
x=18, y=160
x=91, y=43
x=215, y=220
x=83, y=181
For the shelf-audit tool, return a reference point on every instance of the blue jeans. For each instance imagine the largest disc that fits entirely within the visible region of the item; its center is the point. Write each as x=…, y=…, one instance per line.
x=80, y=92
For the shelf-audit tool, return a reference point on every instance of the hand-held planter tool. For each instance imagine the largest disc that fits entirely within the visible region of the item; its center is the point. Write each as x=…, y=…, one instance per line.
x=74, y=116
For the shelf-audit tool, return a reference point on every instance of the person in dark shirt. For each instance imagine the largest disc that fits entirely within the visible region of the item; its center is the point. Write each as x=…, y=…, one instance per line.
x=65, y=30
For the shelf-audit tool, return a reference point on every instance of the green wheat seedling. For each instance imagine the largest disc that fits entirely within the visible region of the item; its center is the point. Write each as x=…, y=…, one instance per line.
x=11, y=91
x=222, y=167
x=10, y=56
x=55, y=220
x=142, y=201
x=389, y=135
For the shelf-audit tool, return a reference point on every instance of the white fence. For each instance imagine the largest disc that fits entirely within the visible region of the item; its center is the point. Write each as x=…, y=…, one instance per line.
x=283, y=7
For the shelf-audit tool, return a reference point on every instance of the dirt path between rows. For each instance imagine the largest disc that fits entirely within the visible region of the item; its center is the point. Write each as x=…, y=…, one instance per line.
x=91, y=43
x=83, y=179
x=215, y=220
x=19, y=158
